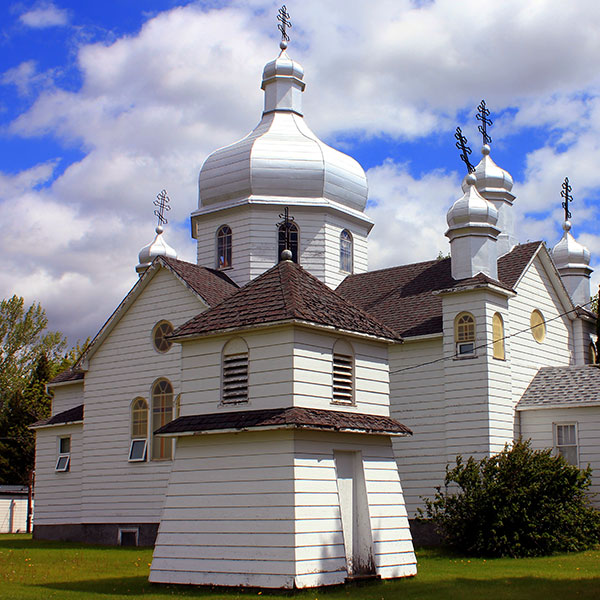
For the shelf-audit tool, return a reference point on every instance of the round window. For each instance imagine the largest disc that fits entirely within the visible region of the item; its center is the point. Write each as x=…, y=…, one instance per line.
x=538, y=327
x=159, y=336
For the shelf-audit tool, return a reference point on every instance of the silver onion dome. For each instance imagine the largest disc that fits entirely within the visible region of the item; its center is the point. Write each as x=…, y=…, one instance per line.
x=282, y=158
x=158, y=247
x=472, y=209
x=569, y=252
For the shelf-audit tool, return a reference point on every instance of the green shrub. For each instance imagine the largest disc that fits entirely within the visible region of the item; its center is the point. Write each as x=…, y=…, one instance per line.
x=521, y=502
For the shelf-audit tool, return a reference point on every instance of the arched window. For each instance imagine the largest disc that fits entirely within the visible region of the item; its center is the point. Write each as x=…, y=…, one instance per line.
x=346, y=251
x=234, y=382
x=159, y=336
x=538, y=326
x=139, y=430
x=498, y=336
x=593, y=354
x=224, y=247
x=162, y=413
x=343, y=373
x=288, y=229
x=464, y=333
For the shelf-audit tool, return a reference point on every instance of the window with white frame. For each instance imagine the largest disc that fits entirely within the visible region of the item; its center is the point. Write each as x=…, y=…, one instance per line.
x=498, y=336
x=343, y=373
x=159, y=336
x=565, y=442
x=162, y=413
x=464, y=334
x=63, y=462
x=235, y=372
x=346, y=251
x=138, y=448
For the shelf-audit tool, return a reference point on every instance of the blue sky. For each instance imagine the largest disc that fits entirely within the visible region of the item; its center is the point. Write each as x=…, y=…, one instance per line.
x=104, y=104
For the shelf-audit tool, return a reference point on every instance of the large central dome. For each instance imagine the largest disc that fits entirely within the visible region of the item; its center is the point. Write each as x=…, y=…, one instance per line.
x=282, y=158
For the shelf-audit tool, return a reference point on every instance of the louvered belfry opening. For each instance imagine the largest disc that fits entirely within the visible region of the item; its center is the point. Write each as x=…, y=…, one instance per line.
x=235, y=378
x=343, y=367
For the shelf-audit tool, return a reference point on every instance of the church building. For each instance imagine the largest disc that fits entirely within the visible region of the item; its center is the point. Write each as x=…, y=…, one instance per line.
x=272, y=415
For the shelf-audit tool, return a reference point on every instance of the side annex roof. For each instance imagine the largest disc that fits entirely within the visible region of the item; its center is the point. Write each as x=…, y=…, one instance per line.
x=67, y=417
x=285, y=293
x=403, y=297
x=562, y=387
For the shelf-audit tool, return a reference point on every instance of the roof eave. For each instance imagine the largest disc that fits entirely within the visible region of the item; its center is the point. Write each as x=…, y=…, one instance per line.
x=361, y=431
x=555, y=405
x=490, y=287
x=63, y=383
x=271, y=324
x=51, y=425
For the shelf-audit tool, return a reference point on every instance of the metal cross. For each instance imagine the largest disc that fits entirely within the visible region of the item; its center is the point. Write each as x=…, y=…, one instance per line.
x=483, y=116
x=287, y=221
x=162, y=201
x=461, y=144
x=284, y=21
x=566, y=194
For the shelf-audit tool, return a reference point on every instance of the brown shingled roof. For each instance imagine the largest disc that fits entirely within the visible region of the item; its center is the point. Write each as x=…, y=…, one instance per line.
x=401, y=297
x=212, y=285
x=72, y=415
x=285, y=292
x=68, y=375
x=296, y=417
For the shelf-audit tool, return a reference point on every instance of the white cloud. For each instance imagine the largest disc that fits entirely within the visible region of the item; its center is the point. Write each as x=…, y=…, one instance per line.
x=153, y=104
x=45, y=15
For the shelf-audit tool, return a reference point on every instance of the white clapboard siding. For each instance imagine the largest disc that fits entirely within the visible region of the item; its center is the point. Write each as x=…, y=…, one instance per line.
x=123, y=368
x=538, y=426
x=255, y=240
x=417, y=401
x=264, y=547
x=13, y=514
x=313, y=373
x=65, y=397
x=58, y=494
x=314, y=468
x=278, y=525
x=527, y=356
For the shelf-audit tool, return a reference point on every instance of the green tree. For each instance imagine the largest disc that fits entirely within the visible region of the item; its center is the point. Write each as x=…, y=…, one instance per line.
x=521, y=502
x=29, y=357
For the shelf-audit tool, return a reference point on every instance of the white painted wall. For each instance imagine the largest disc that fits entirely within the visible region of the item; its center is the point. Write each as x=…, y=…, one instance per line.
x=255, y=239
x=124, y=367
x=13, y=514
x=537, y=425
x=288, y=366
x=58, y=495
x=65, y=397
x=417, y=400
x=262, y=509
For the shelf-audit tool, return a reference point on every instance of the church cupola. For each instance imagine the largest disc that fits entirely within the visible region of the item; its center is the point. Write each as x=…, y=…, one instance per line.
x=282, y=163
x=158, y=246
x=571, y=258
x=473, y=233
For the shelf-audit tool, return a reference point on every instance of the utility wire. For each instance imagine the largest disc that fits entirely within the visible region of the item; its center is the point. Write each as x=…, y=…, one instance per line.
x=455, y=355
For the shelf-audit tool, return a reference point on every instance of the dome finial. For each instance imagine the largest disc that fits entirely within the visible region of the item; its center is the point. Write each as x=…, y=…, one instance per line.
x=461, y=144
x=566, y=194
x=158, y=246
x=482, y=115
x=284, y=22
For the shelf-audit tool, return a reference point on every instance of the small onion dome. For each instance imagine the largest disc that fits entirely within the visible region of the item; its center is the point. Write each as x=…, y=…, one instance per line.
x=281, y=159
x=472, y=209
x=158, y=247
x=489, y=176
x=569, y=252
x=283, y=66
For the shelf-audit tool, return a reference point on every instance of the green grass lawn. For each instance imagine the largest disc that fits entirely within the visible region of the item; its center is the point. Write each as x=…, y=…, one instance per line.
x=41, y=570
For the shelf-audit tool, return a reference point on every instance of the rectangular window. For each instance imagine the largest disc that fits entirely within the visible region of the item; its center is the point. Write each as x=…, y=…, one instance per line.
x=465, y=348
x=565, y=442
x=138, y=450
x=63, y=462
x=235, y=378
x=342, y=378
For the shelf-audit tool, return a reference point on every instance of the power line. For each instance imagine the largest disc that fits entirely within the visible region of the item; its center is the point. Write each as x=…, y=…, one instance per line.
x=455, y=355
